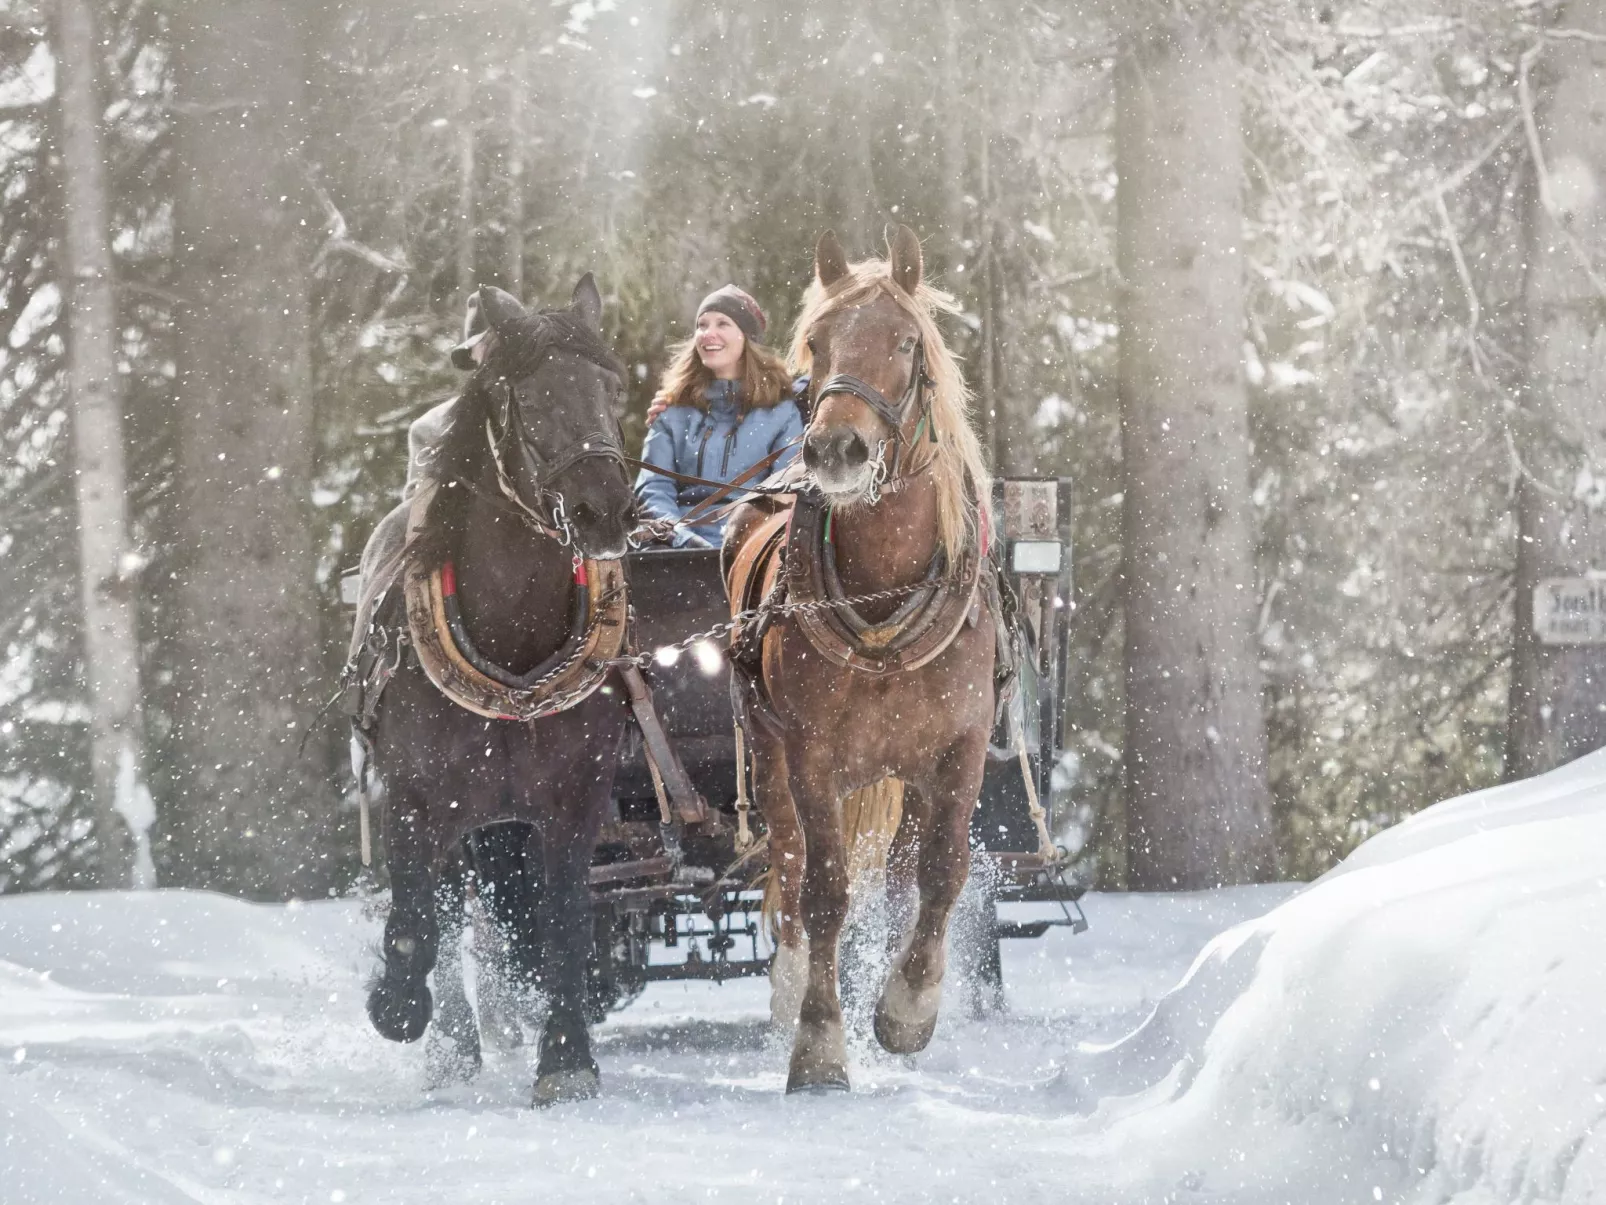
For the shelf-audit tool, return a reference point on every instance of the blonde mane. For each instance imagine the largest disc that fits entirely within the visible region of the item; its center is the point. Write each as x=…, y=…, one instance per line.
x=957, y=463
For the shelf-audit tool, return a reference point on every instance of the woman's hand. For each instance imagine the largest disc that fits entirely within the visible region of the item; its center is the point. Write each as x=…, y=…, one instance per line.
x=659, y=405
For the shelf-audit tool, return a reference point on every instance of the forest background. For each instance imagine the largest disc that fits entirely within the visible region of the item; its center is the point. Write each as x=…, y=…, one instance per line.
x=297, y=196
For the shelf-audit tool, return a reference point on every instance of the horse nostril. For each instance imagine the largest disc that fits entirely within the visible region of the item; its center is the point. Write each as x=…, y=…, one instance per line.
x=584, y=512
x=856, y=452
x=811, y=454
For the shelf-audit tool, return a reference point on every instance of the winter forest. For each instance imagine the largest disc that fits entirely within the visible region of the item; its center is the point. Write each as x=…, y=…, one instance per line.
x=237, y=240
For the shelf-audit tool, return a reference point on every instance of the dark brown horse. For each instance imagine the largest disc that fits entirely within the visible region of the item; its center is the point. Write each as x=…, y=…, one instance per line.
x=528, y=477
x=901, y=687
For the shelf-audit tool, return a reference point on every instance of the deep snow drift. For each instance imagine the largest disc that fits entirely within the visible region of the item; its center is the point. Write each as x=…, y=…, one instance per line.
x=1424, y=1024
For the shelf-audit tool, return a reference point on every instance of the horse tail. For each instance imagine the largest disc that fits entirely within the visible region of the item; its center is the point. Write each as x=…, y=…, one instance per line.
x=870, y=819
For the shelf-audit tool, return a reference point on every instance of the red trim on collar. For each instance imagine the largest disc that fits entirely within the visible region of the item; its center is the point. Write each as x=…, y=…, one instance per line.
x=448, y=580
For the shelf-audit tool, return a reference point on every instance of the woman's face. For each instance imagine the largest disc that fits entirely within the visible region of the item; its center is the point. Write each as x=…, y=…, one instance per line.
x=720, y=344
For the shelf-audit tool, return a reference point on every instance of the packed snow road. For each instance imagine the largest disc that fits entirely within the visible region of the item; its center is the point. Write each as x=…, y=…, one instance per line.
x=1422, y=1025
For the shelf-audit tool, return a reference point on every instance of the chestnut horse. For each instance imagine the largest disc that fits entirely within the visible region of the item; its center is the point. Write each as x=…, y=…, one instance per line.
x=890, y=508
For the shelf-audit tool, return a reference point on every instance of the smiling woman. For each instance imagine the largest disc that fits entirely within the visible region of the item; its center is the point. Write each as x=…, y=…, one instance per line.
x=725, y=403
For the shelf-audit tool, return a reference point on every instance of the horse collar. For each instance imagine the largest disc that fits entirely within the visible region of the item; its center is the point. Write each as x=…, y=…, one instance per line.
x=572, y=674
x=919, y=631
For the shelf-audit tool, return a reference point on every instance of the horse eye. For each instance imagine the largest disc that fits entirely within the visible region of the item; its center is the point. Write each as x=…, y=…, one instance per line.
x=908, y=344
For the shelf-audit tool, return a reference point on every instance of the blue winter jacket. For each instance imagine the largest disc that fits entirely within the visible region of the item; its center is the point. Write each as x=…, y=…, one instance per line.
x=716, y=445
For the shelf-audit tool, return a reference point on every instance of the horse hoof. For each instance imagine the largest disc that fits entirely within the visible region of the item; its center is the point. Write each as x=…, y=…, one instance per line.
x=902, y=1037
x=817, y=1081
x=560, y=1087
x=400, y=1014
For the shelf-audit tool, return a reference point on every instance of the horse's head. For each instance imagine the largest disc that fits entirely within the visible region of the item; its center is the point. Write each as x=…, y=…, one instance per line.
x=866, y=371
x=553, y=385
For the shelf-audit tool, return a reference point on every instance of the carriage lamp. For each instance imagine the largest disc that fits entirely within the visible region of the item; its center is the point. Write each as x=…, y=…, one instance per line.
x=1038, y=557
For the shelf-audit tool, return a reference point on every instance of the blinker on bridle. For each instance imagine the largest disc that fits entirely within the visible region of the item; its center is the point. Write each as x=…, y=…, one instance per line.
x=892, y=413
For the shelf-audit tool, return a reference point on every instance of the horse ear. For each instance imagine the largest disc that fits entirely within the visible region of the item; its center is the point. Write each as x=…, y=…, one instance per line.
x=588, y=301
x=501, y=309
x=903, y=249
x=830, y=265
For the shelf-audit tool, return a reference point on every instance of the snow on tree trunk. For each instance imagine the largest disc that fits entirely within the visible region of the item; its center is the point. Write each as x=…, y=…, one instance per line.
x=107, y=564
x=1195, y=758
x=1558, y=691
x=249, y=815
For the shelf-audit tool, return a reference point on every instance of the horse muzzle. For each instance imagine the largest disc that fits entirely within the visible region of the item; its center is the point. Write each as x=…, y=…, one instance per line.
x=602, y=532
x=840, y=462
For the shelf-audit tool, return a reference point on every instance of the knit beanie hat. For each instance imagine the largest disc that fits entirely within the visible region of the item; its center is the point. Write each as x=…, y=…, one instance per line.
x=737, y=305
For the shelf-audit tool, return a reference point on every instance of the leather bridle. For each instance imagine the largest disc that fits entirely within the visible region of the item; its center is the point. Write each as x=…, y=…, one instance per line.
x=895, y=414
x=544, y=470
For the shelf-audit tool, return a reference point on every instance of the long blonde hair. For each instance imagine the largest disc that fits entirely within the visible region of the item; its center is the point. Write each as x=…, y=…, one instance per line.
x=765, y=380
x=960, y=471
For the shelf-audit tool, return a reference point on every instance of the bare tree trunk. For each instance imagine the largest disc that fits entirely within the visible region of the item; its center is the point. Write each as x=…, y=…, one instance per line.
x=1195, y=758
x=955, y=163
x=994, y=430
x=465, y=184
x=1558, y=692
x=106, y=561
x=518, y=102
x=250, y=815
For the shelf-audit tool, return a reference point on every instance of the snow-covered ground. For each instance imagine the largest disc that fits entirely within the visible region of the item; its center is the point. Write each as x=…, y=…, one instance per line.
x=1425, y=1024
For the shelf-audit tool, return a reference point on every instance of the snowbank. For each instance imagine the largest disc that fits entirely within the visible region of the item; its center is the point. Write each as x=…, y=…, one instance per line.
x=1422, y=1025
x=1425, y=1023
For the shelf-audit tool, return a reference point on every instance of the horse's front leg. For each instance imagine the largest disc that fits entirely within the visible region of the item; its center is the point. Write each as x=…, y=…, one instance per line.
x=783, y=899
x=566, y=1071
x=819, y=1048
x=453, y=1050
x=399, y=1003
x=906, y=1014
x=903, y=862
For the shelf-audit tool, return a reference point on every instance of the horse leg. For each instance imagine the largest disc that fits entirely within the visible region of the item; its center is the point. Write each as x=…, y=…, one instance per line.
x=906, y=1014
x=566, y=1070
x=399, y=1003
x=871, y=817
x=509, y=934
x=819, y=1049
x=903, y=892
x=789, y=970
x=453, y=1051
